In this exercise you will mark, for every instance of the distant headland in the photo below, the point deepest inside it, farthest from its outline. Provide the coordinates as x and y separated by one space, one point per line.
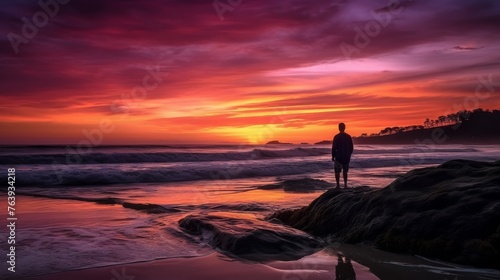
275 142
464 127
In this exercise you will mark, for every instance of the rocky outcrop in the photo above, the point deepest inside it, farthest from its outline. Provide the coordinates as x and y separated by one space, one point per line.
298 185
275 142
251 239
450 212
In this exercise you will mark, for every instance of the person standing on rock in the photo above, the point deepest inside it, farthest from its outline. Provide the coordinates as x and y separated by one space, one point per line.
342 148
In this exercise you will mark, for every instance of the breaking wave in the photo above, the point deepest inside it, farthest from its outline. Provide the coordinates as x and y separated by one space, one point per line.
127 157
87 175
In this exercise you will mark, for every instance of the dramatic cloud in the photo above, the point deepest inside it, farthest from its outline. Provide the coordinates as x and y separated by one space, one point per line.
198 71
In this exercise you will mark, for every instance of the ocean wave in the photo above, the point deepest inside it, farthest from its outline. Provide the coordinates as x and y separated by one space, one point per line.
414 149
76 175
145 207
246 207
110 158
99 200
88 175
150 208
116 157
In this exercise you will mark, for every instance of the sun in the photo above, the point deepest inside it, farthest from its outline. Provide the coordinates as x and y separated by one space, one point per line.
253 134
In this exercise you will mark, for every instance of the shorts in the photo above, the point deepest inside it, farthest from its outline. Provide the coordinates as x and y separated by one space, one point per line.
339 166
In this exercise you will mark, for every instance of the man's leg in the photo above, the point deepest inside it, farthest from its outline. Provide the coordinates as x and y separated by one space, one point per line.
345 177
337 167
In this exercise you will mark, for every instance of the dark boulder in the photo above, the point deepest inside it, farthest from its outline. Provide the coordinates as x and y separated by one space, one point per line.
251 239
450 212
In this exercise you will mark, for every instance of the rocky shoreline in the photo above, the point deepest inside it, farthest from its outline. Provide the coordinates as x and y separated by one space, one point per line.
449 212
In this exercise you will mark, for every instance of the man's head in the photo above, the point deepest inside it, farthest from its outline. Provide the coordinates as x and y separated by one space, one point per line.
342 127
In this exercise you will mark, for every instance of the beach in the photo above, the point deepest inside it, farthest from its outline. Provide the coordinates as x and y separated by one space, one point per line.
128 211
319 266
238 139
214 266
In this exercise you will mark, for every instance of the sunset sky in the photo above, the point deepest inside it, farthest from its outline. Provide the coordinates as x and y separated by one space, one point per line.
241 71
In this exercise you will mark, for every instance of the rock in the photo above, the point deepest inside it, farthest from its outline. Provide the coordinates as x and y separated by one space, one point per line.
150 208
450 212
299 185
274 142
251 239
324 142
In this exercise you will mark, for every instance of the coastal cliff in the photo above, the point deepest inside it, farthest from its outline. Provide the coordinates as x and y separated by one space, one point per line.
449 212
477 127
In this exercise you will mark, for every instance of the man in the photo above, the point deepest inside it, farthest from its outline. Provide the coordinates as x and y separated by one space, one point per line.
342 149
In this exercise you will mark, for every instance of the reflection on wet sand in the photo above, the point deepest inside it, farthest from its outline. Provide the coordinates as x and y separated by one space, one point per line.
344 269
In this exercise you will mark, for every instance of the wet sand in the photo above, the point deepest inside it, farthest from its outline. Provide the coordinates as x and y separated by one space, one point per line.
368 264
40 214
214 266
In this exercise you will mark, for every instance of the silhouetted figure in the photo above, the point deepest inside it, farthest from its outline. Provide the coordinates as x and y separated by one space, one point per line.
344 270
342 149
339 269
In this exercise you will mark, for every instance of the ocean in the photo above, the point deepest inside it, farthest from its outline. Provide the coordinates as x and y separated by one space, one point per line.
122 204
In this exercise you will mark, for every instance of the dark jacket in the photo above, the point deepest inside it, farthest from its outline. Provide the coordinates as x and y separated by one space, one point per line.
342 148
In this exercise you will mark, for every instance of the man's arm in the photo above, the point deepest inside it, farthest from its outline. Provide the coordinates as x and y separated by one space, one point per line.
334 147
352 144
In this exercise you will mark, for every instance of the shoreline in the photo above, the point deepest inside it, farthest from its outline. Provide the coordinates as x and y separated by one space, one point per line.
212 266
81 223
368 263
216 266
